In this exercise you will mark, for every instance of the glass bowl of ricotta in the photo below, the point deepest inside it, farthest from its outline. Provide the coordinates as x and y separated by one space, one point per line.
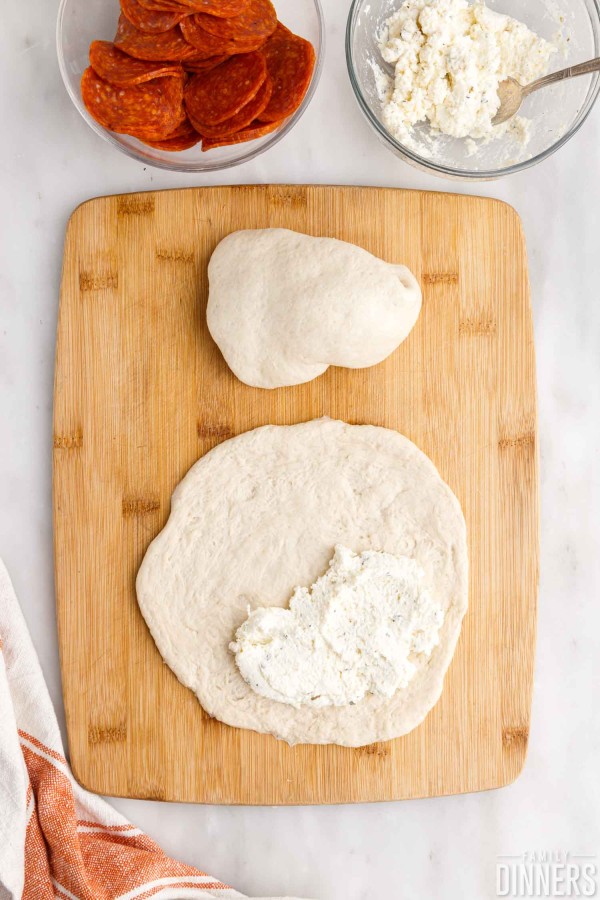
80 22
426 72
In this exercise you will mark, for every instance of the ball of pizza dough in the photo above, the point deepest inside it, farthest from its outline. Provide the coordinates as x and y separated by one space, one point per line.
284 306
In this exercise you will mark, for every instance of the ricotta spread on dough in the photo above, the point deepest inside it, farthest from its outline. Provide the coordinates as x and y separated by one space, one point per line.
261 513
284 306
449 56
354 632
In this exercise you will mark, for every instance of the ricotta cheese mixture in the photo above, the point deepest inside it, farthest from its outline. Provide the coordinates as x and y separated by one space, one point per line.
449 57
354 632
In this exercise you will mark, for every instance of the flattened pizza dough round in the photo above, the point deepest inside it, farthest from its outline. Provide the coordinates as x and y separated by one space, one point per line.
261 514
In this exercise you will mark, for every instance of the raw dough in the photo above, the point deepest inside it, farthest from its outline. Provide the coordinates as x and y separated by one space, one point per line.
285 306
260 514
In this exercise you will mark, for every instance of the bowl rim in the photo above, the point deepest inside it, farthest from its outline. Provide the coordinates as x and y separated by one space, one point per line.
186 165
422 162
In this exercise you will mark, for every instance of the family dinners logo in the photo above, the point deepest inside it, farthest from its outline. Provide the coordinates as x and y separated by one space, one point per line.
547 873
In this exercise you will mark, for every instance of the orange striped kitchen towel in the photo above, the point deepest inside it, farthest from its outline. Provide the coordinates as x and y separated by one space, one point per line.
58 841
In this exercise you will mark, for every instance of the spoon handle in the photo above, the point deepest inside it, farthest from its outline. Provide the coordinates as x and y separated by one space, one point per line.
586 68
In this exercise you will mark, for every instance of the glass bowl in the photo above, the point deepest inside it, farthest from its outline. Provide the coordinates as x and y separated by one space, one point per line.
82 21
556 113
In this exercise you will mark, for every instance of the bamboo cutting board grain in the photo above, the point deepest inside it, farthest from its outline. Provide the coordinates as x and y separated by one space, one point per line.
141 392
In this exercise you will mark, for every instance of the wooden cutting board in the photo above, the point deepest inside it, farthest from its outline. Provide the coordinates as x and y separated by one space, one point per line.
142 392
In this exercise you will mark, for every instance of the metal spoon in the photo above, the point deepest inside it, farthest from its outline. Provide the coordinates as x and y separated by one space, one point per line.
512 94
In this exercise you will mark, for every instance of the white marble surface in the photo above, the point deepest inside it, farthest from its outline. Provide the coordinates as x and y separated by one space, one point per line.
49 162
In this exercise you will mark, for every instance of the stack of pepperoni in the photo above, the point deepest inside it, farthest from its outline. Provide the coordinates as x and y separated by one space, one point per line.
184 71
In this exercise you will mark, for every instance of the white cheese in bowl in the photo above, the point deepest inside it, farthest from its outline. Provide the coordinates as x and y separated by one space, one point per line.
449 57
355 632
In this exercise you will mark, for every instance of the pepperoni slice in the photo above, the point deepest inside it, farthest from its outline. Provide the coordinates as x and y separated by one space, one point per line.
202 64
184 137
258 20
290 63
214 96
172 6
151 110
253 132
221 8
208 45
243 118
118 68
168 46
148 21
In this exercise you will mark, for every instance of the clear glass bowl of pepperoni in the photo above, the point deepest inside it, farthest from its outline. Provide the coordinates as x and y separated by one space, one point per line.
179 85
